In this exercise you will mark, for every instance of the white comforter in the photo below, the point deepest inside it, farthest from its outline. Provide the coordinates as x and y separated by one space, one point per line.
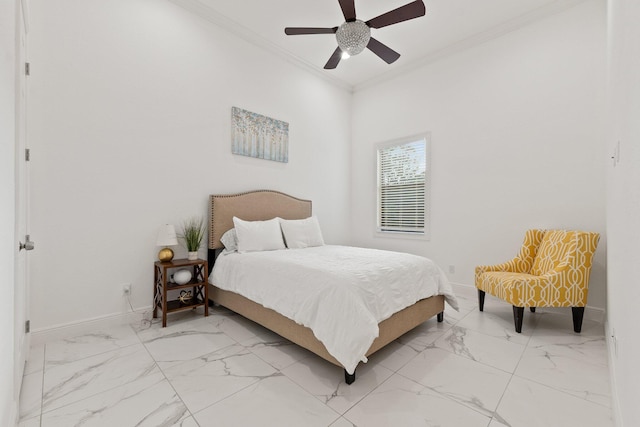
341 293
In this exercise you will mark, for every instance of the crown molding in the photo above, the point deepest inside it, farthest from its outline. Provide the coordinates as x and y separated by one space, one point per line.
209 14
473 41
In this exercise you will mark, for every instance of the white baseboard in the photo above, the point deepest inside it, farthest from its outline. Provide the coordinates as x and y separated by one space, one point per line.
56 332
43 335
596 314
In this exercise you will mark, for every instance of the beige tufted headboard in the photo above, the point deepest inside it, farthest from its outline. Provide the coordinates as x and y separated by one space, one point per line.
257 205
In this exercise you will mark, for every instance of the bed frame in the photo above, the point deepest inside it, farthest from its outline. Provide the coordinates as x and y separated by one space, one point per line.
266 204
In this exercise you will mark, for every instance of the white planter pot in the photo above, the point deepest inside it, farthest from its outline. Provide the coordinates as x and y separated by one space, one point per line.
192 256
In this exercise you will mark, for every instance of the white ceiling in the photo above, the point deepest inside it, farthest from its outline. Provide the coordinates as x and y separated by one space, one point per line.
448 26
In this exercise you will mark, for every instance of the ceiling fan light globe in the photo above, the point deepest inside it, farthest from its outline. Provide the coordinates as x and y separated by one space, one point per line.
353 37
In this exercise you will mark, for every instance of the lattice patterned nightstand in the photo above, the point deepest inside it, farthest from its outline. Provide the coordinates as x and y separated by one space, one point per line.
198 285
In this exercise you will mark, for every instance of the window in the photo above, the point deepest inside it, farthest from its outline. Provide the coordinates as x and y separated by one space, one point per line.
403 186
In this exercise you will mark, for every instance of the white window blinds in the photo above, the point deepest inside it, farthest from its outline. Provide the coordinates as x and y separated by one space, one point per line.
402 187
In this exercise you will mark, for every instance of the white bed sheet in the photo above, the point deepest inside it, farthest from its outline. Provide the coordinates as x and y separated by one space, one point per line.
340 292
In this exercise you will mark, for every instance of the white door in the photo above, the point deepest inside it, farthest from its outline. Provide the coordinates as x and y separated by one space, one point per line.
21 294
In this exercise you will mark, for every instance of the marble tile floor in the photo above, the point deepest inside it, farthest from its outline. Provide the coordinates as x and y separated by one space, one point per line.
471 370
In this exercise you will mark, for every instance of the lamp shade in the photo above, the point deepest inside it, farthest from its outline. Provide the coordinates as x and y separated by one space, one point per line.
167 236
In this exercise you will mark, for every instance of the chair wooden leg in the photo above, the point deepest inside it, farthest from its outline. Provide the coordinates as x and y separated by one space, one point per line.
518 314
481 299
533 309
578 314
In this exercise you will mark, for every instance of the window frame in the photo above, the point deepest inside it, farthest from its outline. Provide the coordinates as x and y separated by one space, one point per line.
426 234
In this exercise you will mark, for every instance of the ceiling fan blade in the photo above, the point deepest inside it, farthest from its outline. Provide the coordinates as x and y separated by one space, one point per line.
348 9
293 31
412 10
387 54
334 60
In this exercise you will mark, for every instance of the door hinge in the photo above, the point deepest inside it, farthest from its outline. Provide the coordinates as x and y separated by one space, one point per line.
27 69
27 154
27 326
28 244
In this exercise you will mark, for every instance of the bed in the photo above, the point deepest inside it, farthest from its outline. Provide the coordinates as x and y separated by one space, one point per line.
264 205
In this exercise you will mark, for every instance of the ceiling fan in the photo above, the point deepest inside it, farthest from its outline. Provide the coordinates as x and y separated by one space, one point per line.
354 35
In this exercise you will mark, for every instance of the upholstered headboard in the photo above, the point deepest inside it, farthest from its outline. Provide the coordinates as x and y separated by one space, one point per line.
257 205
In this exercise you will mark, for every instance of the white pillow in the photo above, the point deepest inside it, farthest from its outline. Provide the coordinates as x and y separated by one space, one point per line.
302 233
230 240
258 235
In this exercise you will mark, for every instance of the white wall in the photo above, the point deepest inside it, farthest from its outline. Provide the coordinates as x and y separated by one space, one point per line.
623 208
130 128
130 113
7 207
516 142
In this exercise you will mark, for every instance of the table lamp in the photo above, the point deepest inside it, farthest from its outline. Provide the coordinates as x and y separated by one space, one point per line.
166 237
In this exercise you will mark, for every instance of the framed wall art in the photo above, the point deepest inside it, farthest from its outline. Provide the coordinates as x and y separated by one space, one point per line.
259 136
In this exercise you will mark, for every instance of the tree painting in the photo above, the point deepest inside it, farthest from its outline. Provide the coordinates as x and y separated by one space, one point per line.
259 136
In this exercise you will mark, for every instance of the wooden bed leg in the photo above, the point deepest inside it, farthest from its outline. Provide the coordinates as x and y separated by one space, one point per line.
349 378
440 317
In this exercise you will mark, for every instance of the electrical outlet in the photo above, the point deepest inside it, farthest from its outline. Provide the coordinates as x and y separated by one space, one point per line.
126 289
452 269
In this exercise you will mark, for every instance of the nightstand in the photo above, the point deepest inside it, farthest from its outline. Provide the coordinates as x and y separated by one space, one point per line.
163 284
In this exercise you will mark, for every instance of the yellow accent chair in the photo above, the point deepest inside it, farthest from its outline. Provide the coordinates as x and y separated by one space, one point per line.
551 270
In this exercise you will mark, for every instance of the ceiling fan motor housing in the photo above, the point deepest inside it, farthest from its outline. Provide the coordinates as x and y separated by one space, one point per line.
353 36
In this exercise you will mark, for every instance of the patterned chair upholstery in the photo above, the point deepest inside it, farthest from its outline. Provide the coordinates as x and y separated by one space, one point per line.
551 270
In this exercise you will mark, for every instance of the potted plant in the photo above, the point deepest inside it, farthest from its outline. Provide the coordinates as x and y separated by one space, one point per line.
192 233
